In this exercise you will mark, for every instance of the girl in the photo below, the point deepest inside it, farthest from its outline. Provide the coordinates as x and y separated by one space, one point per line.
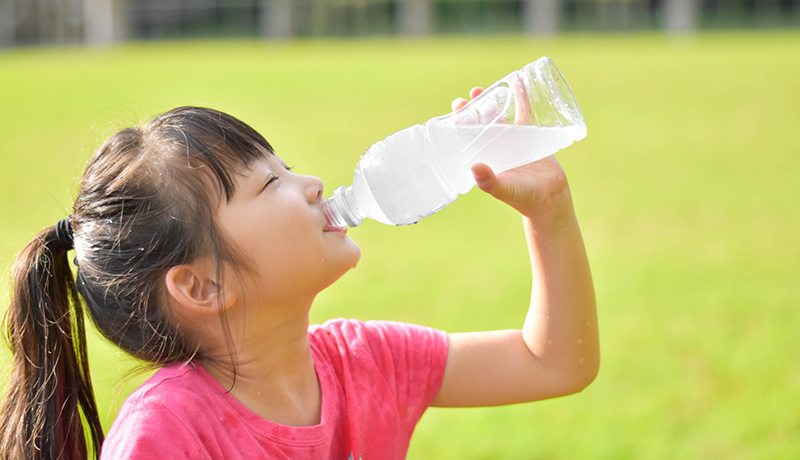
199 251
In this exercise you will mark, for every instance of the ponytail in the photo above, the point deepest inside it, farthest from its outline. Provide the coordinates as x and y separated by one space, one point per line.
50 396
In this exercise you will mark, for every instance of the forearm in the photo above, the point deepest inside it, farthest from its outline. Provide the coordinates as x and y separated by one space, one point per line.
560 329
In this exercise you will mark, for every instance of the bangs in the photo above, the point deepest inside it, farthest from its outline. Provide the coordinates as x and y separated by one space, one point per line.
213 139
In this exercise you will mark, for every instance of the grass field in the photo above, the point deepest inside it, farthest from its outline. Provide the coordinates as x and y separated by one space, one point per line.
686 189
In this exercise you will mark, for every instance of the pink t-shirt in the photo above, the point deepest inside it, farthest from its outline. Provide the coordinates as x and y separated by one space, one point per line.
377 379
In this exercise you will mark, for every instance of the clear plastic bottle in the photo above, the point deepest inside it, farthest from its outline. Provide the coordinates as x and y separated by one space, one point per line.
528 115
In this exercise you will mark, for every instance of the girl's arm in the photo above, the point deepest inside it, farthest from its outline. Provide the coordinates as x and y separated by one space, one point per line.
556 352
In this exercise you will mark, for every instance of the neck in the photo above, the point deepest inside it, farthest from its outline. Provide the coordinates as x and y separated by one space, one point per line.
274 368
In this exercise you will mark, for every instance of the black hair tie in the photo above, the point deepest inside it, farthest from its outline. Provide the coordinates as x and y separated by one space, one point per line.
64 232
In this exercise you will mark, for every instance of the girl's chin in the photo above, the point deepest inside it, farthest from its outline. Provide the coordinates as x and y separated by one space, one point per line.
356 249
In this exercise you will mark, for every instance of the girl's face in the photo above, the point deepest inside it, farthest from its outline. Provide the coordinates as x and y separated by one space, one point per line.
276 219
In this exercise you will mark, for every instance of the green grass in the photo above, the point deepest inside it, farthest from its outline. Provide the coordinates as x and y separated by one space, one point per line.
686 189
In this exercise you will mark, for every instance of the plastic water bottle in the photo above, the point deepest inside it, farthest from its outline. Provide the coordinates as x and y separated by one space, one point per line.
528 115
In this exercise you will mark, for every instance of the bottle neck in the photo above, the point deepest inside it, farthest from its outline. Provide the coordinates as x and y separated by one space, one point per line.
339 209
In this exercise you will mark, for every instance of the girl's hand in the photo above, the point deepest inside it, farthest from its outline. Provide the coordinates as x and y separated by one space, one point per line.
533 189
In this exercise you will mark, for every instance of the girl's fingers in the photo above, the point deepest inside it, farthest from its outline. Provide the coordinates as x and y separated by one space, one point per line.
458 103
461 102
486 178
509 191
521 116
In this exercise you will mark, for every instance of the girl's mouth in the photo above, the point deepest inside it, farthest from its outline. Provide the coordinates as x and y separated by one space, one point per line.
331 228
330 219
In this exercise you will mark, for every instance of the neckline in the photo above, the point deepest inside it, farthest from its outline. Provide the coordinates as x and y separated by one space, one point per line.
276 432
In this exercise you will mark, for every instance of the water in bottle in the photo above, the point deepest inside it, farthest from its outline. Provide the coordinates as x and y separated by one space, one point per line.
528 115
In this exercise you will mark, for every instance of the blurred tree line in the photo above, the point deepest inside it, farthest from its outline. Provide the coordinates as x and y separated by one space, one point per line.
29 22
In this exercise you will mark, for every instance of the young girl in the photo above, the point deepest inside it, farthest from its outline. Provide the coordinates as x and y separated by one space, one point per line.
199 251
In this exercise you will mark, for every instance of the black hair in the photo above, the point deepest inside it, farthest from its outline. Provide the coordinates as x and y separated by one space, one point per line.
145 204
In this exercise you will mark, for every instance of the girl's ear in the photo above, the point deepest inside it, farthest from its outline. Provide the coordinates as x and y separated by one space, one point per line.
194 289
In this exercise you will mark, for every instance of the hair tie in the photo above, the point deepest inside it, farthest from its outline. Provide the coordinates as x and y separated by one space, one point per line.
64 232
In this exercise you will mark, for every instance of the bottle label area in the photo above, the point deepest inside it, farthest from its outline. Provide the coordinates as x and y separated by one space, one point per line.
403 179
420 170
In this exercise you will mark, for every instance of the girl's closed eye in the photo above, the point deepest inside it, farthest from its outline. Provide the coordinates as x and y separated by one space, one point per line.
274 177
270 179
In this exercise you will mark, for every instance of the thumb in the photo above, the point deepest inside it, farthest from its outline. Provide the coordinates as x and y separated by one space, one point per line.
487 180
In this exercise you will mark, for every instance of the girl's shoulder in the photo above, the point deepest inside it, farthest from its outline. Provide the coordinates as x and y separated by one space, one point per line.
172 380
379 348
182 393
353 333
175 389
159 413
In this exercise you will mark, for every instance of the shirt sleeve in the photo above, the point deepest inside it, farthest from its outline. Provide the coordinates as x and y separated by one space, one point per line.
150 431
409 358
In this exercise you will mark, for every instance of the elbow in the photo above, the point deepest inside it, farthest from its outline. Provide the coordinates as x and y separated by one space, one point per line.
578 377
583 374
587 377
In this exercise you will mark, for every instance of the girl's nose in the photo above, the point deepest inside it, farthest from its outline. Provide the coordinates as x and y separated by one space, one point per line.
314 189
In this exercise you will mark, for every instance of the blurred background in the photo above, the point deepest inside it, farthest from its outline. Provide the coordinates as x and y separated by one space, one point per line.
686 186
25 22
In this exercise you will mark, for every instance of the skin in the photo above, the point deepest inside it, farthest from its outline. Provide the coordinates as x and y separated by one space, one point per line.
276 217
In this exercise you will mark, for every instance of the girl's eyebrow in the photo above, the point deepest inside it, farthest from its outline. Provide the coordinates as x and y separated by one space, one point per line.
246 173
